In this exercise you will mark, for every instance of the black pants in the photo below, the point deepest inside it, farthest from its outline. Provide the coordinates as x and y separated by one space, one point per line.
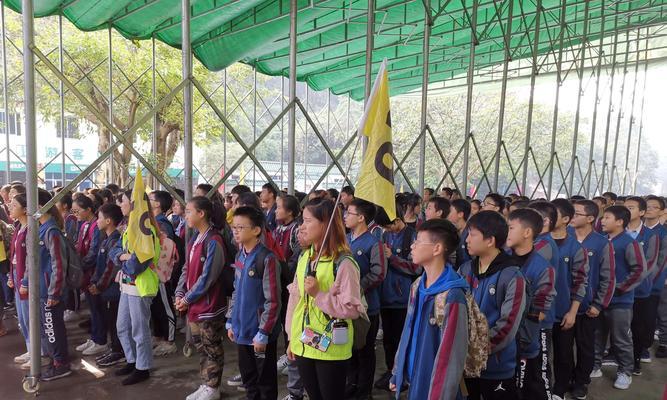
162 313
323 380
259 375
642 336
565 369
652 316
54 333
73 299
362 364
110 311
533 374
393 320
491 389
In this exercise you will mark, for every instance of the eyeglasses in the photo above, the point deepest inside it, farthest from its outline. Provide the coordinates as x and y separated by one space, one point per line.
238 228
418 242
582 215
351 213
490 204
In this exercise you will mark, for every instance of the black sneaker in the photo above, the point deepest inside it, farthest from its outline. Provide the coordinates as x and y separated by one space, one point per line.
110 360
127 369
579 392
351 391
383 382
54 372
637 370
139 375
661 352
103 355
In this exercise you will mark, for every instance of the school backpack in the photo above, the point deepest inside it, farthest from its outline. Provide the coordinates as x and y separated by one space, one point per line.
168 257
362 324
74 275
478 332
229 249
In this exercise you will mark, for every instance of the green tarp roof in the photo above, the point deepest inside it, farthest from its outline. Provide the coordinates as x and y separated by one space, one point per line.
332 33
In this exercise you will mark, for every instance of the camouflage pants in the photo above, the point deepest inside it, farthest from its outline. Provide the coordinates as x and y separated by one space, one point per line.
207 338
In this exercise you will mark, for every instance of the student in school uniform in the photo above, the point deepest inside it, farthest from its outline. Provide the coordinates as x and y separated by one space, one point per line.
599 291
655 206
369 254
571 284
630 269
499 289
459 213
432 353
437 207
524 226
650 243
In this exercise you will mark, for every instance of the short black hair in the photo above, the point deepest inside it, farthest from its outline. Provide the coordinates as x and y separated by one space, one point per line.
381 217
491 224
547 210
291 204
113 188
590 208
613 196
113 212
238 189
66 200
564 206
660 200
528 218
333 193
447 190
600 198
256 217
639 200
248 199
443 231
85 202
517 204
619 212
365 208
348 190
204 187
577 197
271 189
180 193
106 195
430 191
461 205
476 201
164 198
441 204
498 199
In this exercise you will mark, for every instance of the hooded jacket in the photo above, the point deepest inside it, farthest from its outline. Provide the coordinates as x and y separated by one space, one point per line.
601 272
401 272
630 269
650 244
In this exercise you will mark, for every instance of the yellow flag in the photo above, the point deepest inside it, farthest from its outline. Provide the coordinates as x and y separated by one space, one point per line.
3 252
376 178
139 229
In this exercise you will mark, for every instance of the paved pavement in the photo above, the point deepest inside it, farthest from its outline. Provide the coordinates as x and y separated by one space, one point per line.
176 376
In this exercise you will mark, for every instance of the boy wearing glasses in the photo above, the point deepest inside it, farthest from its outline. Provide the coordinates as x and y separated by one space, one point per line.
428 345
369 254
255 308
601 283
655 206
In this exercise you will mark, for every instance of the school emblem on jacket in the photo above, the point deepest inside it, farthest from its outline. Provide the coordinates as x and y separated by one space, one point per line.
359 252
398 250
251 273
590 254
566 259
492 290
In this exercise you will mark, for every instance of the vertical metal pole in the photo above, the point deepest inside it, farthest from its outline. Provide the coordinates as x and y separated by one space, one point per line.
428 22
471 74
187 95
31 186
575 135
4 94
559 83
326 155
282 134
370 43
224 130
254 123
533 75
611 97
291 127
598 72
305 149
641 113
503 93
619 115
632 116
111 138
154 101
61 94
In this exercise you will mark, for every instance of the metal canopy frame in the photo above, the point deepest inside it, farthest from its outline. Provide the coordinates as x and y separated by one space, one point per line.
548 43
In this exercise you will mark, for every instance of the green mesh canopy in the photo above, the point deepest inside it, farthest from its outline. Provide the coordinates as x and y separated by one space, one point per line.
331 38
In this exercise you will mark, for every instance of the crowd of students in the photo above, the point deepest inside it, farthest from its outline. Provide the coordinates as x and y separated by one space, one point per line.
497 299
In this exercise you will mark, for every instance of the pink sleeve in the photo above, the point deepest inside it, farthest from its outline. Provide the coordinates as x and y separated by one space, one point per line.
344 298
294 298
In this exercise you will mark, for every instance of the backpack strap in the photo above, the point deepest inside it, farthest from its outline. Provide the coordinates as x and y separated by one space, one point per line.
262 253
406 243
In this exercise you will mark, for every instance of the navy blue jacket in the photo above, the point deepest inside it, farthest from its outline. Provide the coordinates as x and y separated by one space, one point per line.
601 272
650 243
106 270
401 271
546 247
369 254
630 270
661 264
571 275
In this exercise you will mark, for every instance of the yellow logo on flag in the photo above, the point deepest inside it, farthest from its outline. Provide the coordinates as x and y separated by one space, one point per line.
140 238
376 178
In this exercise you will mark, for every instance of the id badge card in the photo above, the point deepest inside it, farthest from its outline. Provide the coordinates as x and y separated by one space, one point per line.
315 340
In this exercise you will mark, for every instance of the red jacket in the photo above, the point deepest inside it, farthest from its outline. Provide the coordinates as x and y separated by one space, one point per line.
17 255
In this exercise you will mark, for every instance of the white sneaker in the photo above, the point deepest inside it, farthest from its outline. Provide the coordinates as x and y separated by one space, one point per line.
596 373
46 361
195 394
208 393
23 358
623 381
83 346
556 397
235 380
164 349
380 335
282 363
95 349
69 316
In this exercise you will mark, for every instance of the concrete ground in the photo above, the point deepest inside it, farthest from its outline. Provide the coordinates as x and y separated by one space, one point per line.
176 376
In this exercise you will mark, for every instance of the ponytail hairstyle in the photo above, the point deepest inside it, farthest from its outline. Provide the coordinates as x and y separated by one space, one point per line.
335 243
205 205
43 197
85 202
291 204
